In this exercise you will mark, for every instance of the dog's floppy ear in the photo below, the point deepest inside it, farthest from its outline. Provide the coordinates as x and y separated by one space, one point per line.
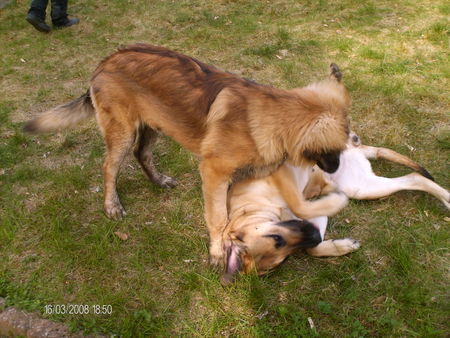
237 259
335 72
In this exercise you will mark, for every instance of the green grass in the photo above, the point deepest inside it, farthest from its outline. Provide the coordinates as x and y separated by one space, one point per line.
57 247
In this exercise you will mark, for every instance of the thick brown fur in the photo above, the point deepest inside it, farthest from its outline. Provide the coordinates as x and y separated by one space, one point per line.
237 127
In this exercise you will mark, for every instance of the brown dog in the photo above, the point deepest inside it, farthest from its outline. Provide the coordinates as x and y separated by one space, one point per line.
263 231
237 127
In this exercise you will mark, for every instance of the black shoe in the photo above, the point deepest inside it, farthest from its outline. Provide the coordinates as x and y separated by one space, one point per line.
38 23
67 23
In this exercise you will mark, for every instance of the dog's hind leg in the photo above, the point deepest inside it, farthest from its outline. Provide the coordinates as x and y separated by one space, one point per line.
143 153
377 187
391 155
119 138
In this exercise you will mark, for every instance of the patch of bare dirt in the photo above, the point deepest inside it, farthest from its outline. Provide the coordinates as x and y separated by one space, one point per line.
14 322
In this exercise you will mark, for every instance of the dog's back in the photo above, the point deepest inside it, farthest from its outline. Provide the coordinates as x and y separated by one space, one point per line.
168 91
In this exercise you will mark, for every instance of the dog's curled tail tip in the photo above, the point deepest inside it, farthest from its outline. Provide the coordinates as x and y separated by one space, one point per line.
336 72
425 173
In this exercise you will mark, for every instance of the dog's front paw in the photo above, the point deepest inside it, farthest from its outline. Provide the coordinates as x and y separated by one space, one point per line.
114 210
446 201
339 201
166 181
346 245
216 255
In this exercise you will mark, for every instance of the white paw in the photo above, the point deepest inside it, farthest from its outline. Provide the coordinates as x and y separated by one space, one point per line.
346 245
446 200
447 205
338 200
166 181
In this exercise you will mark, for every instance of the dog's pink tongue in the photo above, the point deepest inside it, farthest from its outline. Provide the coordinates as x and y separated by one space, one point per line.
233 267
233 261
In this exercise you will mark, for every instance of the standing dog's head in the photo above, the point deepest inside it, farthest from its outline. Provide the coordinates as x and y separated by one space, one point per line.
321 133
263 246
327 161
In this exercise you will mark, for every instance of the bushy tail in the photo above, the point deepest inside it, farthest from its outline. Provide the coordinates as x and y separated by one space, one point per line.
62 116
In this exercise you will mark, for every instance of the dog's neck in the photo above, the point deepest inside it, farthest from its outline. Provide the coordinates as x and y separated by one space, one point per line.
257 170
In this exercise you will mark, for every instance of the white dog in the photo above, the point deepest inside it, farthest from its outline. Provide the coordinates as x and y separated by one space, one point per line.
356 179
263 230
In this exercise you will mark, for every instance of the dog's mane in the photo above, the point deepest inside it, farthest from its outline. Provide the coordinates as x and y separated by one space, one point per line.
327 128
314 120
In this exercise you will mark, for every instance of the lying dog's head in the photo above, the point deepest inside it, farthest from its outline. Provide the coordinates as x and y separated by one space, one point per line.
263 246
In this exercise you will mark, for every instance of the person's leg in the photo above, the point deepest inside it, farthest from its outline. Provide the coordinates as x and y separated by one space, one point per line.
36 15
59 14
38 8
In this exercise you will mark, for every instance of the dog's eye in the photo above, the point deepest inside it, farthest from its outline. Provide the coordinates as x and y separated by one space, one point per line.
279 241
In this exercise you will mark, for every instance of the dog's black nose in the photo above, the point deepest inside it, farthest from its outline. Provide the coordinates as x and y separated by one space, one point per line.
311 235
307 232
329 162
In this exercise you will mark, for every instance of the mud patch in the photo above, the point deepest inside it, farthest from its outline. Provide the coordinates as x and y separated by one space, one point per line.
14 322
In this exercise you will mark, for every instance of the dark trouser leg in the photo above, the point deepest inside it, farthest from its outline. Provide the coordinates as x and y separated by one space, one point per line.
38 8
59 12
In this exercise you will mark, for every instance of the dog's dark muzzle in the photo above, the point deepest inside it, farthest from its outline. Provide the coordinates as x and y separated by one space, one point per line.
328 162
308 234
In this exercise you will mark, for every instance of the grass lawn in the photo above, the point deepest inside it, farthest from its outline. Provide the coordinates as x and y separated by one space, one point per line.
57 247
